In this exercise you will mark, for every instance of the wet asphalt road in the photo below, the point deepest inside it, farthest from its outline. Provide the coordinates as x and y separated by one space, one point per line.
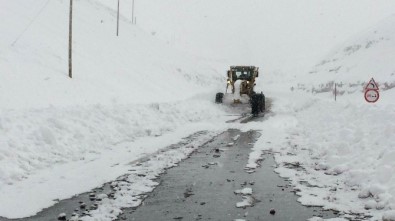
202 187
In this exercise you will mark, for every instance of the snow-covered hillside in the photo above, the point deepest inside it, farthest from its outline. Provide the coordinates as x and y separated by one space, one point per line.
107 69
356 61
287 36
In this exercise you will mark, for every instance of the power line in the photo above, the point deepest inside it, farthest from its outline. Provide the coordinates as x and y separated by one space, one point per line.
31 22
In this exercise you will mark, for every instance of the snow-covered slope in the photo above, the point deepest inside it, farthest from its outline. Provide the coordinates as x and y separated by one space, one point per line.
350 137
288 36
130 68
355 62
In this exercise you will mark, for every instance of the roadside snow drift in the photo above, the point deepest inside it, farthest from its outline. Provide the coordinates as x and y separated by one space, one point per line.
339 154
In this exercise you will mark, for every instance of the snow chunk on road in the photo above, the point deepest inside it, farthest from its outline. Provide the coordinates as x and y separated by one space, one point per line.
245 191
248 201
236 137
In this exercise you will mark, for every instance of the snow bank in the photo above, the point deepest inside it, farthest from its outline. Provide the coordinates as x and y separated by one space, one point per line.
348 143
339 155
37 139
145 155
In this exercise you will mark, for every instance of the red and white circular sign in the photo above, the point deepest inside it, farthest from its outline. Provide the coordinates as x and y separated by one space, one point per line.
372 95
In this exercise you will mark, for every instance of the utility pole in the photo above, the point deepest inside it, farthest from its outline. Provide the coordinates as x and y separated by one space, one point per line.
133 21
118 19
70 39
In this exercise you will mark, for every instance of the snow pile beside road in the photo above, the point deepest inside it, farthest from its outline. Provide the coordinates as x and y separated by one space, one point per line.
146 156
346 150
339 155
36 139
346 147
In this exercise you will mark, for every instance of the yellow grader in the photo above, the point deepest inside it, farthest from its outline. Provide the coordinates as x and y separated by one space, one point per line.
246 75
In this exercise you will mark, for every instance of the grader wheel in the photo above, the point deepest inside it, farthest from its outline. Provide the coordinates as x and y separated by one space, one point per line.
257 104
219 98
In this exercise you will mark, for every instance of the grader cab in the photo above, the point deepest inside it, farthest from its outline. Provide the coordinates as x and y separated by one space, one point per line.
245 76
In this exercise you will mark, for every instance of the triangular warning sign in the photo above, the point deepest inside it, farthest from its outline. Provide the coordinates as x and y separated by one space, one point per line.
372 85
